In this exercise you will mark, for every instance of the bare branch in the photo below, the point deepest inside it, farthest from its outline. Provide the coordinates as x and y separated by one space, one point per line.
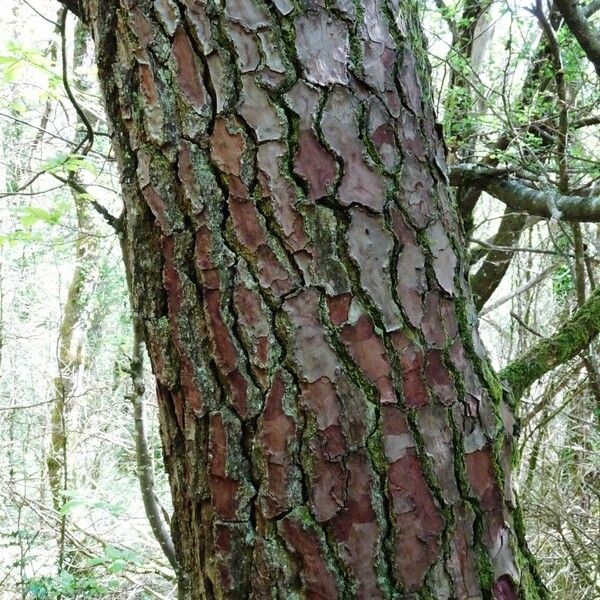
143 454
521 197
88 140
520 290
491 272
78 188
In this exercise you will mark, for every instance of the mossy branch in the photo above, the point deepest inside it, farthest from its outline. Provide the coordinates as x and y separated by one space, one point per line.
572 338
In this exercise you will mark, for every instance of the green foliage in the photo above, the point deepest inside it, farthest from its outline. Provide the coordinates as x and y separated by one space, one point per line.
115 560
562 282
64 585
76 499
30 215
68 163
18 57
32 219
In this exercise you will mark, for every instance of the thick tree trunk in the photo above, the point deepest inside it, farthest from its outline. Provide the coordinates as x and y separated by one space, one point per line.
331 426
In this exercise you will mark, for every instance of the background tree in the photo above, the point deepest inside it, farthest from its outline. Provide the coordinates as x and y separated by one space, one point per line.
62 281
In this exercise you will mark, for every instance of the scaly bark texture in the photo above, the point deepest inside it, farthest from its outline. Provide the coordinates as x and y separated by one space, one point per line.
331 427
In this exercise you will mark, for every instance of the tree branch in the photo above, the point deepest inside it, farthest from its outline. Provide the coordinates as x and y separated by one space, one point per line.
520 290
74 7
572 338
536 80
78 188
591 8
495 265
521 197
143 454
584 33
88 140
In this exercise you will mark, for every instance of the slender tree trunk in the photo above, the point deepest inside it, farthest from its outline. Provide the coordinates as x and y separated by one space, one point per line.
72 327
71 337
70 363
330 423
70 350
470 37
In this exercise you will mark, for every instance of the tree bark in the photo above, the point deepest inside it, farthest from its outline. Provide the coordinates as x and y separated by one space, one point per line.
143 452
485 281
331 426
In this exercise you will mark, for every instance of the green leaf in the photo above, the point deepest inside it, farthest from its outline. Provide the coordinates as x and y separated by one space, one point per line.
69 162
9 71
30 215
70 505
117 566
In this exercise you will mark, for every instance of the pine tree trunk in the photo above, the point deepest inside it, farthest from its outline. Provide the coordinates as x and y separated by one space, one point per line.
330 423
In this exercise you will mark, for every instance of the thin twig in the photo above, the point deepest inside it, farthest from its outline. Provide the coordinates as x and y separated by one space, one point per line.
531 283
89 138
